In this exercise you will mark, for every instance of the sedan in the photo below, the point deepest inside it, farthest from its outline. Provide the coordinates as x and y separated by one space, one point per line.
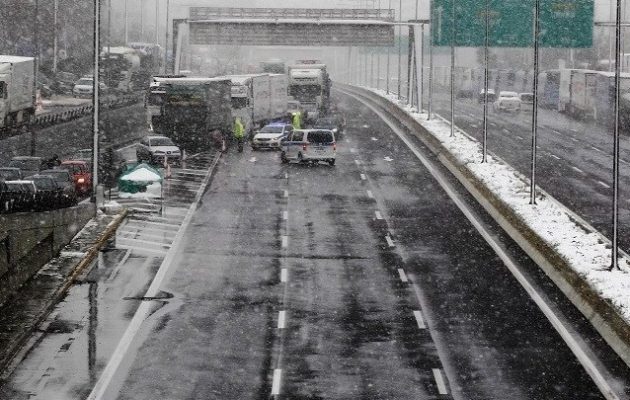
158 149
271 136
65 182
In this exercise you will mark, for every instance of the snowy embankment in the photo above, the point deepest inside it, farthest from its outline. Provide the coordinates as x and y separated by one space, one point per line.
586 251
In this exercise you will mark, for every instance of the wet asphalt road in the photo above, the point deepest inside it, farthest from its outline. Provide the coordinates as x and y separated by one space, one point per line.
287 283
574 157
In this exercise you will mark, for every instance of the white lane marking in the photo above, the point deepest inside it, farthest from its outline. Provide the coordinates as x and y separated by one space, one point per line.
573 130
419 319
366 126
101 389
357 162
556 132
253 159
369 194
577 170
378 214
281 319
597 149
604 184
624 161
581 354
388 158
286 193
493 124
275 386
519 137
286 175
285 241
285 215
574 139
284 275
389 241
374 139
505 130
353 150
555 156
363 177
402 275
439 381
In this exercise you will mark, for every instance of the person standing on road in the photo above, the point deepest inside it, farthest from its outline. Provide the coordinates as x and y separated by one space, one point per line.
296 120
238 131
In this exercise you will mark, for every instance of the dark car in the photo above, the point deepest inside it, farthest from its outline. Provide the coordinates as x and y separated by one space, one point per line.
48 195
10 174
27 164
81 174
20 196
333 123
65 182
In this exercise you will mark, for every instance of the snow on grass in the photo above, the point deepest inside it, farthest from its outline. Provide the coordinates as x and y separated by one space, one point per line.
586 251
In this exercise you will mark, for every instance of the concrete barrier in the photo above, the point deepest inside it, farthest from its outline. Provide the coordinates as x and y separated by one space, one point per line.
603 315
30 240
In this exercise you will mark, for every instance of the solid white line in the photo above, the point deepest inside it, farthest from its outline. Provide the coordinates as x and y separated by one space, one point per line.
101 389
419 319
378 214
439 381
275 386
284 275
577 169
286 193
285 241
285 215
369 194
604 184
281 319
363 177
558 325
390 242
403 276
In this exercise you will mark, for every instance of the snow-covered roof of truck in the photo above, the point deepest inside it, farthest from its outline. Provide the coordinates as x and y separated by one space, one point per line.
15 59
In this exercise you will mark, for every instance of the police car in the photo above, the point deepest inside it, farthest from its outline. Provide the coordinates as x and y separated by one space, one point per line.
270 136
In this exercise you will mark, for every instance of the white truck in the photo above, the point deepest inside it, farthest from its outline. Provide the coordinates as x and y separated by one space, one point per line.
118 67
258 98
577 92
17 91
309 84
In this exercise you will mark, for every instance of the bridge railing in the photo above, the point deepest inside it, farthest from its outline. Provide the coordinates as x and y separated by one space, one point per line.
203 13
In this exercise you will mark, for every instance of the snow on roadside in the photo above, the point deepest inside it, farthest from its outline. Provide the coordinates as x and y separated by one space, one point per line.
587 252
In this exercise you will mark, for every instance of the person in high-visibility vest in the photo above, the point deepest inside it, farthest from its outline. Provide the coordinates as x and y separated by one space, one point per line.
239 133
296 121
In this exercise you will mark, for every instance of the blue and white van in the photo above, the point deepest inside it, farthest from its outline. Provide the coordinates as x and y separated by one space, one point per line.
309 145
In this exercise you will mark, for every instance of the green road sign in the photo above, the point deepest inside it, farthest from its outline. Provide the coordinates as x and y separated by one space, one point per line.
563 23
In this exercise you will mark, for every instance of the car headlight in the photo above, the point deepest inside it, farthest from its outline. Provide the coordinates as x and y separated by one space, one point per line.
158 152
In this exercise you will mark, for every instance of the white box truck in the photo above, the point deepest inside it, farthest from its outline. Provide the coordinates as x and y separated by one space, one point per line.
17 91
279 96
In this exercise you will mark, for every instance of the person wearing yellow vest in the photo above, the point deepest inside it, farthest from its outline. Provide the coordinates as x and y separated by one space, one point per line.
296 120
239 132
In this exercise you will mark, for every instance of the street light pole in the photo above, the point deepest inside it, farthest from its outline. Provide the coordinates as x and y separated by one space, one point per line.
126 25
615 220
389 7
55 37
167 31
399 47
453 69
485 83
95 97
532 189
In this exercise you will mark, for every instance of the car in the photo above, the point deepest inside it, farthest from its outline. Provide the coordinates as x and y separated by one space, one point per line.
27 164
527 100
6 203
65 182
334 123
271 136
84 87
22 195
64 82
310 145
155 149
507 101
48 195
80 171
10 174
491 96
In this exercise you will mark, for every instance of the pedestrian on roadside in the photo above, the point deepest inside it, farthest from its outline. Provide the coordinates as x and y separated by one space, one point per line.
239 132
296 120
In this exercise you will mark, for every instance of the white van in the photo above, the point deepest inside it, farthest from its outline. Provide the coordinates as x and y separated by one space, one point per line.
306 145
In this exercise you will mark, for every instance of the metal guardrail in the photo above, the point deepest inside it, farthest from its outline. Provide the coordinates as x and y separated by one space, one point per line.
202 13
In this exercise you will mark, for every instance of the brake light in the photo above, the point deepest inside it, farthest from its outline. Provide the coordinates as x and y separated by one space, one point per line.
334 146
304 147
81 180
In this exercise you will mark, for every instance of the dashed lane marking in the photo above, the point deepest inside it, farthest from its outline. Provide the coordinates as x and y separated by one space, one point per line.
286 175
597 149
353 150
363 177
402 275
573 139
555 156
357 162
390 242
505 130
275 386
378 215
281 319
284 275
369 194
604 184
285 241
286 193
577 170
520 137
419 319
285 215
439 381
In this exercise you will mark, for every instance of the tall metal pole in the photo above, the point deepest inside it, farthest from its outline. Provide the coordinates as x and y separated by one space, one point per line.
615 221
167 32
486 57
389 7
126 24
410 56
55 35
532 189
157 21
378 55
35 69
453 21
421 94
430 105
141 20
399 47
95 97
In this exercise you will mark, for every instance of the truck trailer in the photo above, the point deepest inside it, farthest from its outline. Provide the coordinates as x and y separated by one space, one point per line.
17 91
193 109
309 84
119 66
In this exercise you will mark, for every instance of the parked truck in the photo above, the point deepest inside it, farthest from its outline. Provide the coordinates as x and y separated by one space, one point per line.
194 110
309 83
577 92
17 90
118 67
258 98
